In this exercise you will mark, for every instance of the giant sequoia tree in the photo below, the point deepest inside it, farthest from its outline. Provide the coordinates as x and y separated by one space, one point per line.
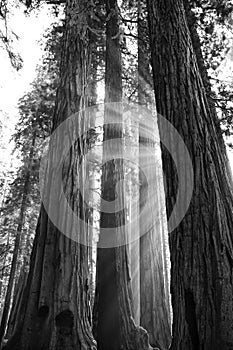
201 246
154 285
53 311
115 327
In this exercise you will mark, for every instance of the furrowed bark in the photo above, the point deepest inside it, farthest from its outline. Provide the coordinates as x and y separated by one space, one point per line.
154 282
201 246
54 308
115 327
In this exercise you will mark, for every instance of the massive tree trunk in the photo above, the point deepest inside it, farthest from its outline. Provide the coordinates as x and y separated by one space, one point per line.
196 42
53 312
154 282
201 246
154 295
192 25
115 327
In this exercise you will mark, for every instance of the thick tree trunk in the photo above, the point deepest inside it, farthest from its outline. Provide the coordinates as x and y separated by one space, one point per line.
115 328
154 282
196 42
192 25
154 255
54 308
201 246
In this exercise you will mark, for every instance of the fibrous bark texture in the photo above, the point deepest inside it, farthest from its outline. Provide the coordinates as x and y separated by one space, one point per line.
114 325
201 246
155 313
54 310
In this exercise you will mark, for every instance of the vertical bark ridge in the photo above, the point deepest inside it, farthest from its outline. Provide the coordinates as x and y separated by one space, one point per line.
115 327
201 246
54 307
154 281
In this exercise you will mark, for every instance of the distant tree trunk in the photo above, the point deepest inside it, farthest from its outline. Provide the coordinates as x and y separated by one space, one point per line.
3 194
54 309
154 283
16 250
20 284
92 79
3 270
114 325
18 293
145 80
201 246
